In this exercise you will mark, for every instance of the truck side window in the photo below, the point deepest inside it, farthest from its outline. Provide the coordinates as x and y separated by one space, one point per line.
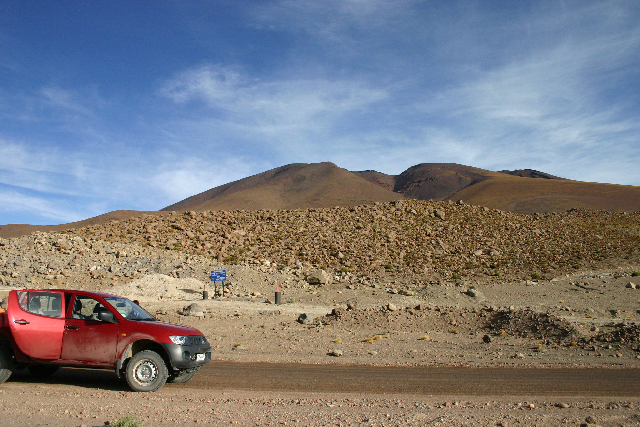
42 303
86 308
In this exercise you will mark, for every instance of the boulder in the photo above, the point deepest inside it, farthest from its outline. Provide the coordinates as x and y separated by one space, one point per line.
305 319
318 277
193 310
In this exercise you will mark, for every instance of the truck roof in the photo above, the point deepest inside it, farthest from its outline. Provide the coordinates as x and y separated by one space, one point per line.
75 291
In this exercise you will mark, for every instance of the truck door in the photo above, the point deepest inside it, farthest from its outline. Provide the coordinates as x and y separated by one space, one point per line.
86 338
36 322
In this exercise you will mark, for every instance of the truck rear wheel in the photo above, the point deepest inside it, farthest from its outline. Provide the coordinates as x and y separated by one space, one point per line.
146 371
6 363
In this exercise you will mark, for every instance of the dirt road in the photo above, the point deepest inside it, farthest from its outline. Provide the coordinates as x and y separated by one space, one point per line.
433 381
261 394
419 380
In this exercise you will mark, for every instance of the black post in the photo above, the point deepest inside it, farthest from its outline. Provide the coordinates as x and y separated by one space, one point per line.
278 296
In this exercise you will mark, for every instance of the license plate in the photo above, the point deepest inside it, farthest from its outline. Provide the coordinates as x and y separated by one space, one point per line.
199 357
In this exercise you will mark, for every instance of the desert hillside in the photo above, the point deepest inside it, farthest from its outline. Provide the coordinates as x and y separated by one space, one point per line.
409 242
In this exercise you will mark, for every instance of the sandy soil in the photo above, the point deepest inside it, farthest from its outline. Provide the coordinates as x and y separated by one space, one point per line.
588 319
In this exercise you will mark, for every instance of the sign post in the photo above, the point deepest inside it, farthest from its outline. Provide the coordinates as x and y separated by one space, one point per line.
218 276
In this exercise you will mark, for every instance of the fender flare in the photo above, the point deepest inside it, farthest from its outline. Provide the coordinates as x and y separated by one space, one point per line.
138 346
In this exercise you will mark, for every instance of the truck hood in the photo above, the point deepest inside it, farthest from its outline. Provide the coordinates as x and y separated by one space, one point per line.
160 330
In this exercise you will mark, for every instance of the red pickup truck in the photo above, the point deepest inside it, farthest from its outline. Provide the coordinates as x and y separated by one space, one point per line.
42 330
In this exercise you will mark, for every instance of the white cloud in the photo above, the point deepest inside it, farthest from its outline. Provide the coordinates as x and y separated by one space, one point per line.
16 204
189 176
56 97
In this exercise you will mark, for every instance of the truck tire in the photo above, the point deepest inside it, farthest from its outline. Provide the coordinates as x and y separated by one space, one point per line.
42 371
6 363
146 371
181 377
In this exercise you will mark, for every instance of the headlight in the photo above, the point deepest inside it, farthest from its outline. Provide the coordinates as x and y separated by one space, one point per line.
180 339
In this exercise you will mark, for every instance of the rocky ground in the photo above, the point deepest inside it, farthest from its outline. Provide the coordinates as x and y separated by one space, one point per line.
402 283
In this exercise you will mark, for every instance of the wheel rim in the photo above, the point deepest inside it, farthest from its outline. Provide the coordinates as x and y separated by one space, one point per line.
145 372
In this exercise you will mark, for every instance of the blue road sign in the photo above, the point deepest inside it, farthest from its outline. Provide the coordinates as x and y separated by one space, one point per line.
218 275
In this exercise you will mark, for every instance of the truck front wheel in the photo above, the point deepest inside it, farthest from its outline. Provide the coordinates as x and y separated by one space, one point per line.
146 371
6 363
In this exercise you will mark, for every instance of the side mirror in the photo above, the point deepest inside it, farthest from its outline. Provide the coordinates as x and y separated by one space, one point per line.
106 316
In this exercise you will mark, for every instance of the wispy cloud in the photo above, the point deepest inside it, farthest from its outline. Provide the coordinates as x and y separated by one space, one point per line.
23 209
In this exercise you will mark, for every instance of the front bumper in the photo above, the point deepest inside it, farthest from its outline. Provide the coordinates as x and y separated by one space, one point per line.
188 356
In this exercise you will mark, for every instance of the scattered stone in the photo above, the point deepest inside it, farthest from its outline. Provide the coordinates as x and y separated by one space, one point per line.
193 310
305 319
591 420
338 312
473 292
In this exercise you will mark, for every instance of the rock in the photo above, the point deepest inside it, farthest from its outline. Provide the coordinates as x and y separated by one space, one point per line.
486 339
632 285
473 292
318 277
439 214
335 353
392 307
305 319
562 405
193 310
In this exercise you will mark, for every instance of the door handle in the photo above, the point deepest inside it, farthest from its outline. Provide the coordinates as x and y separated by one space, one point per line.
21 322
72 327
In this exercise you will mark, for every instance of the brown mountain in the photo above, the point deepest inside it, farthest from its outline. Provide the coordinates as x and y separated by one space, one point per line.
299 185
319 185
522 191
315 185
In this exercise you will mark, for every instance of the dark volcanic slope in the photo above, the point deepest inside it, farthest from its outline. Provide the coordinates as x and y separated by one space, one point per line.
530 173
437 181
294 186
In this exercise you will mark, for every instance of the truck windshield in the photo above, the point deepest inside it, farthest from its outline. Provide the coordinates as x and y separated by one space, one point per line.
128 309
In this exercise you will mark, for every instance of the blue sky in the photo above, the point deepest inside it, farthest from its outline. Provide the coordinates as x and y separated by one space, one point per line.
109 105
